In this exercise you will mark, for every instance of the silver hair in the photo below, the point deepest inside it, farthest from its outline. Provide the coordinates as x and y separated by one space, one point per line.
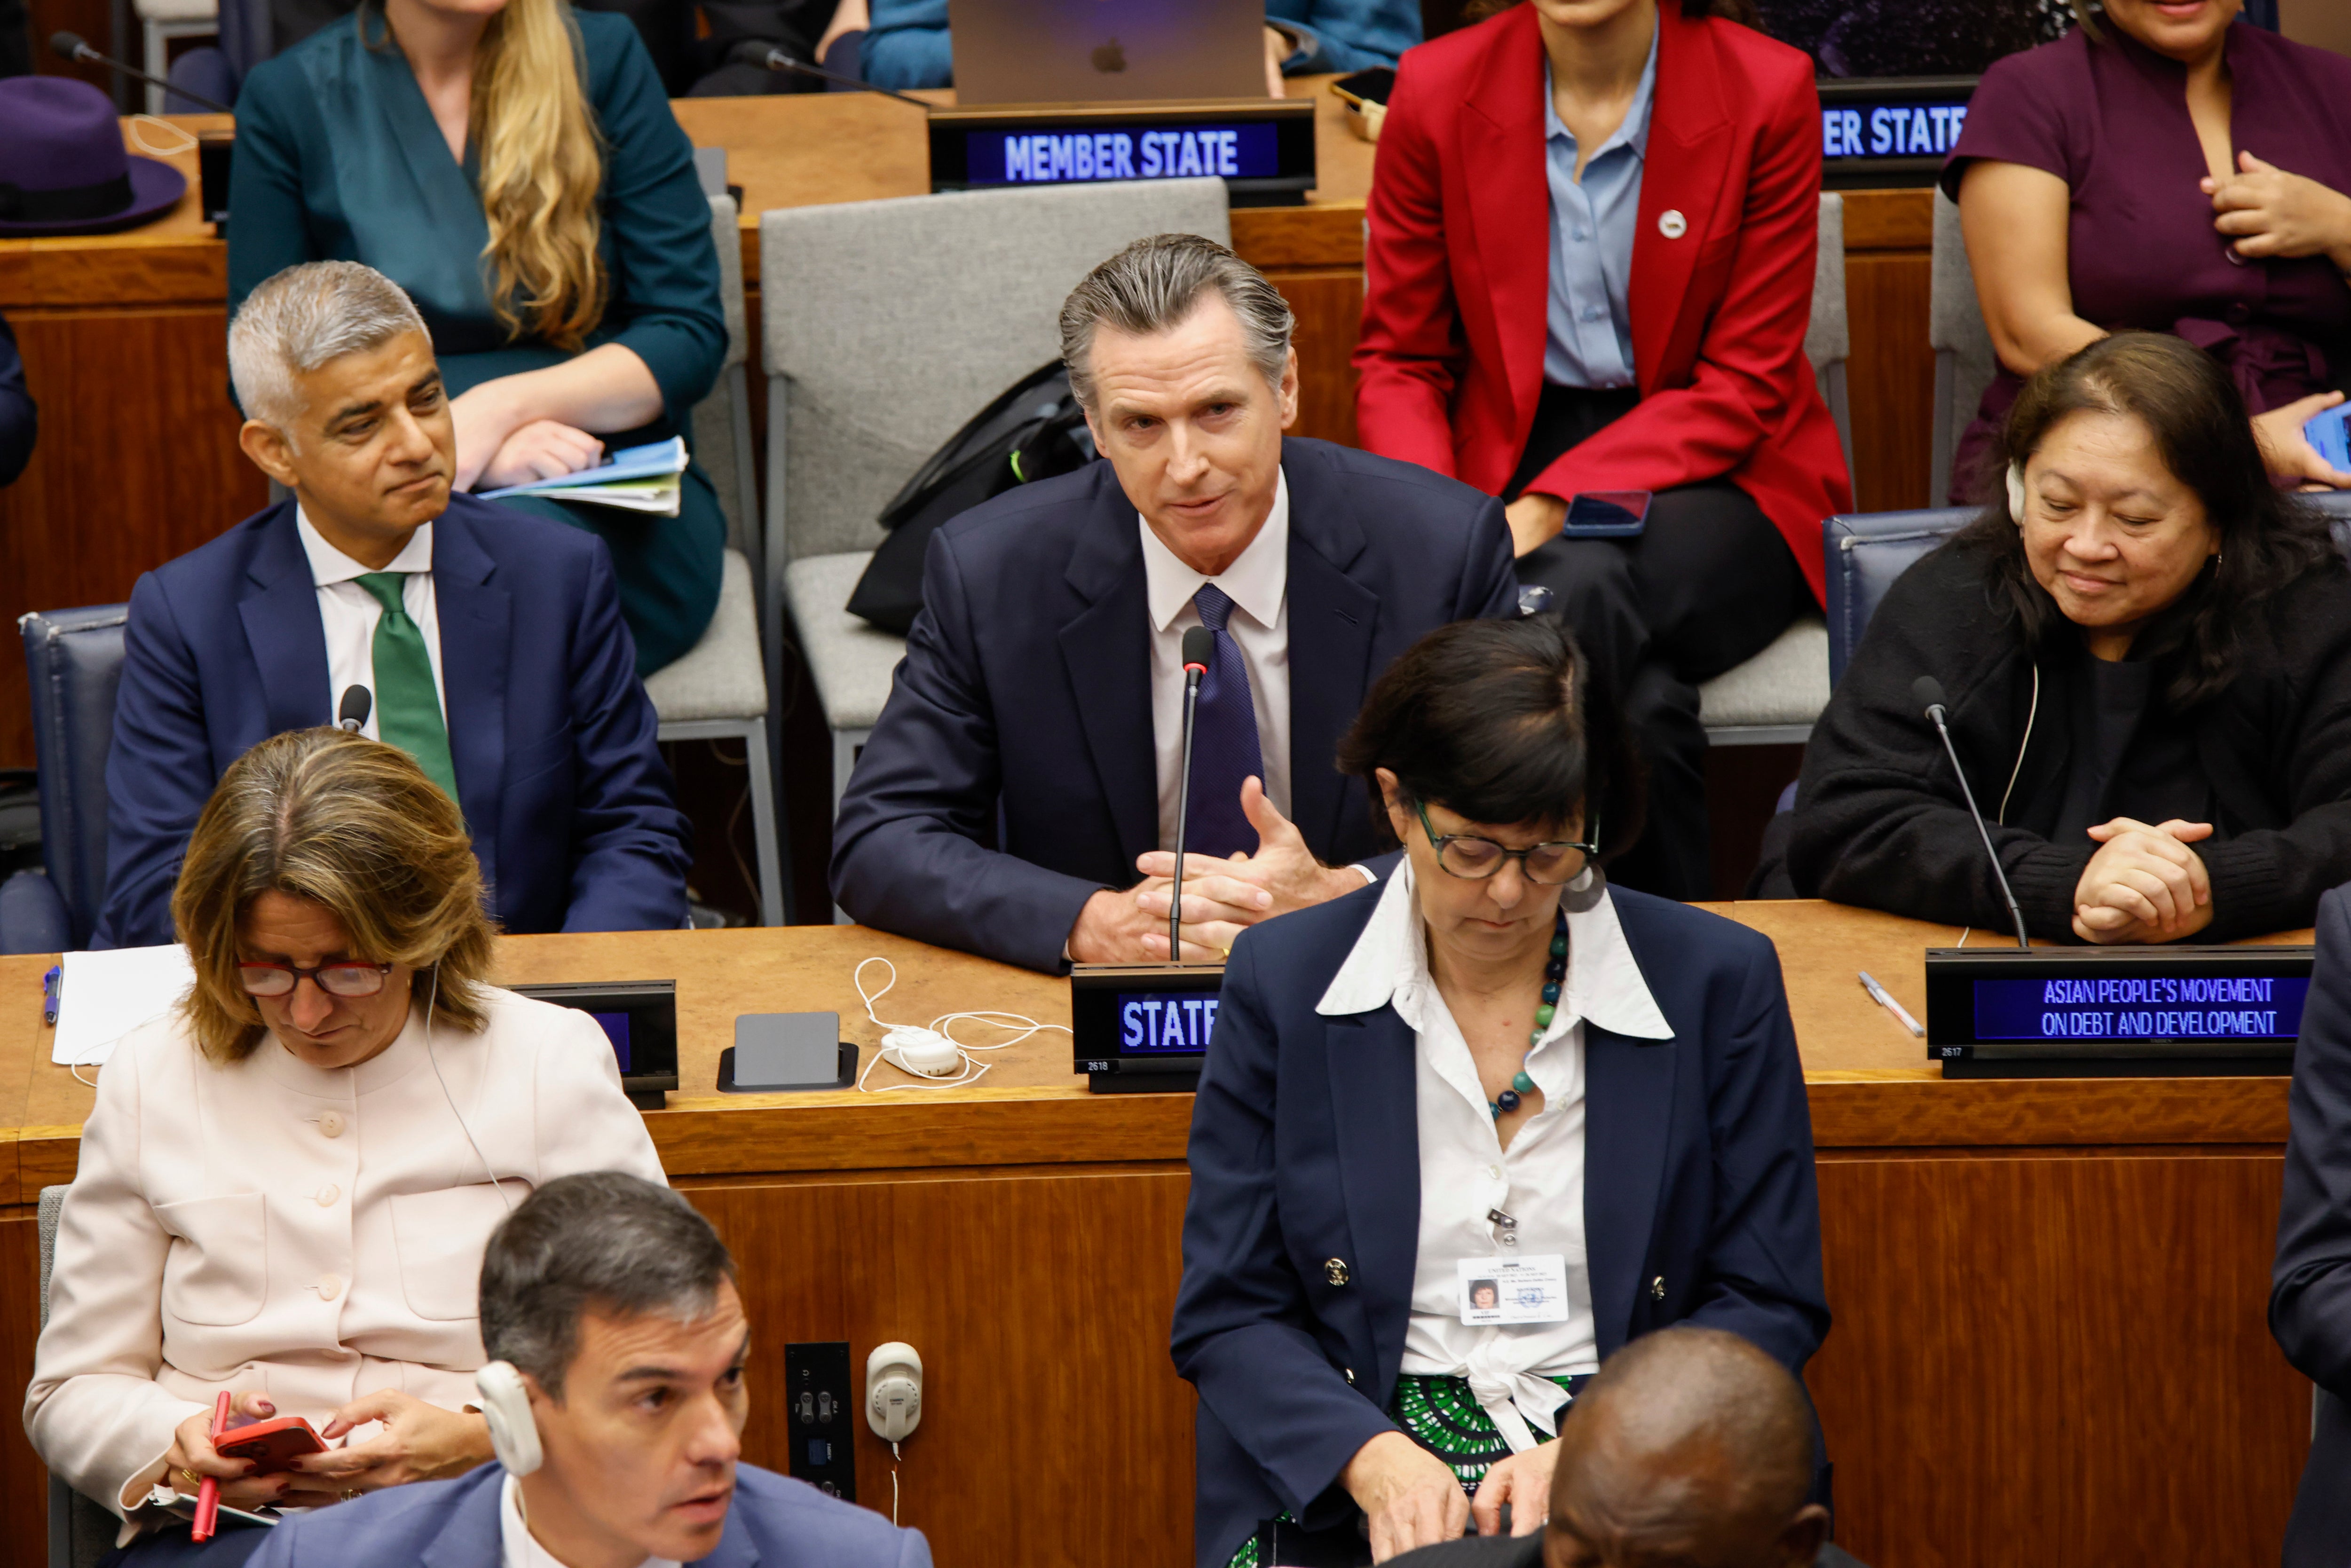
599 1240
305 316
1153 285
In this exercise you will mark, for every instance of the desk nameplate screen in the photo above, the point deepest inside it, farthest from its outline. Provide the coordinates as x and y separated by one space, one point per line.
1263 148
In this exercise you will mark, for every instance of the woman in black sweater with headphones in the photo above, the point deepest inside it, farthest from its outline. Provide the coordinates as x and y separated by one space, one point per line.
2146 656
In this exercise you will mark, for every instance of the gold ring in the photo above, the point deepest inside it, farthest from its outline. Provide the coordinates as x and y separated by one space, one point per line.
347 1494
194 1480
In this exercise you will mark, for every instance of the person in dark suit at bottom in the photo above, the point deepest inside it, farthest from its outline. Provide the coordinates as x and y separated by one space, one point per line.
616 1397
1492 1066
2310 1288
491 642
1027 765
1691 1446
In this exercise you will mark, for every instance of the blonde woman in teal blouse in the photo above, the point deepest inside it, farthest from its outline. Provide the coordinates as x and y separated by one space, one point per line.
514 166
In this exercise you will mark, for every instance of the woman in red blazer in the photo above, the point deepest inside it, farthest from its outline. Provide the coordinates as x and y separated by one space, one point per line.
1604 286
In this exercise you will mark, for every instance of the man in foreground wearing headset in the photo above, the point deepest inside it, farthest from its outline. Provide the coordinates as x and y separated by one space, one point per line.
615 1399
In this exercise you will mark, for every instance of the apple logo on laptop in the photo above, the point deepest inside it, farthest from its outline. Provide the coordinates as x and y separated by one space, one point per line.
1110 58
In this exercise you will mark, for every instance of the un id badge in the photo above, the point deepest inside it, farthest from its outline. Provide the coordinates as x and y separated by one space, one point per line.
1530 1289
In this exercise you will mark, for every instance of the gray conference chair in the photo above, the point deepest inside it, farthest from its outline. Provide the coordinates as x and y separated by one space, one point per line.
1773 697
888 324
80 1532
1964 360
719 690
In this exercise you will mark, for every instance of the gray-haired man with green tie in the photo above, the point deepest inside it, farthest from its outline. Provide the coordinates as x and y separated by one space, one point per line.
490 643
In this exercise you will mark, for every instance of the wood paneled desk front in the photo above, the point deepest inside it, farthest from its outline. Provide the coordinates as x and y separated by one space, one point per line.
2050 1339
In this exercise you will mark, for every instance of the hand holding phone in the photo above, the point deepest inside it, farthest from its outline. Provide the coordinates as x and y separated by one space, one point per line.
270 1445
1607 515
2330 433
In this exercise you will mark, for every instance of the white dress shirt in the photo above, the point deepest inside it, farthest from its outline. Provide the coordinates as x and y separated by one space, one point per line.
349 612
1258 585
519 1549
1464 1171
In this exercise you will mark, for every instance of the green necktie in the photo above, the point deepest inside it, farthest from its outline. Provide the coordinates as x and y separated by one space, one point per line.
407 705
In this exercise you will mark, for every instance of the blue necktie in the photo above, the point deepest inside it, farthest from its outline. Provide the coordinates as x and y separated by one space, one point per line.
1225 747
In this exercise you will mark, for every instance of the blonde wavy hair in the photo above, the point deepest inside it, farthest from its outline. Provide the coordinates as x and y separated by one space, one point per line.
542 162
355 827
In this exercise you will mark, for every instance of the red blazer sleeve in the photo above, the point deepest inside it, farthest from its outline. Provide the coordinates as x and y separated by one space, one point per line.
1412 336
1750 363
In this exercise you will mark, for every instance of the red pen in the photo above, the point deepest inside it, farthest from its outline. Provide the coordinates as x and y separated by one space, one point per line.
208 1494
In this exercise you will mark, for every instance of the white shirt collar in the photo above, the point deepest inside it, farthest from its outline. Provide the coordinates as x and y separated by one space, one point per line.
1255 581
519 1549
1604 985
329 565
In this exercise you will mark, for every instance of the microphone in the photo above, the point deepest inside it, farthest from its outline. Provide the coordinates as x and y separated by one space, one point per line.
770 57
1200 648
352 712
72 47
1928 693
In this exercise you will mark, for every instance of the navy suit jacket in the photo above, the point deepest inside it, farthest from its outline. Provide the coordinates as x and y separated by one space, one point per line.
1699 1202
1022 714
2310 1289
550 730
775 1523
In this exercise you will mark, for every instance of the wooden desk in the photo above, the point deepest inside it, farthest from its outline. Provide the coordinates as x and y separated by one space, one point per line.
124 339
2050 1295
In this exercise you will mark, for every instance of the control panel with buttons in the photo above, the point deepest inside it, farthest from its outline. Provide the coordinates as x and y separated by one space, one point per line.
821 1407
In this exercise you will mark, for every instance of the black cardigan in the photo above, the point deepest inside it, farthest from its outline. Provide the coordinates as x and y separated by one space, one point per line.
1879 820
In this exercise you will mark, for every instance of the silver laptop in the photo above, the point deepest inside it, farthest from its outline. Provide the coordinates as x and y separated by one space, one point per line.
1087 51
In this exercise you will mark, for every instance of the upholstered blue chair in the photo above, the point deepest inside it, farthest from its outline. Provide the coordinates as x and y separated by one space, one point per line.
74 659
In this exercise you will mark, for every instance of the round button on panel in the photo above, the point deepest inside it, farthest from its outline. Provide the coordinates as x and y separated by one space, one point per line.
330 1123
330 1287
328 1193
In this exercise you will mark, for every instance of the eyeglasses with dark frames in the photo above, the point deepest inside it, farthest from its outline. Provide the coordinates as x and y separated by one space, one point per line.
347 978
1474 859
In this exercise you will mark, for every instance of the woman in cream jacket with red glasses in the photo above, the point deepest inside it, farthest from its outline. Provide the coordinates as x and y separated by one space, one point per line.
278 1194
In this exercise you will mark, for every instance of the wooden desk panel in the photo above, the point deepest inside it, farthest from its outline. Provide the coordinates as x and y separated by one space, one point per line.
2049 1295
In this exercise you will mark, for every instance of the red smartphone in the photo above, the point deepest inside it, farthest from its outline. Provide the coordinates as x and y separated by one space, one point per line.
270 1444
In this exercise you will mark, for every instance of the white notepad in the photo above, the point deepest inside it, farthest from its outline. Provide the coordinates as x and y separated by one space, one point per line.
101 997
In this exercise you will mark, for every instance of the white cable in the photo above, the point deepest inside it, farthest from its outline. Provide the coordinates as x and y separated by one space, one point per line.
893 1483
2030 713
139 124
941 1028
436 1060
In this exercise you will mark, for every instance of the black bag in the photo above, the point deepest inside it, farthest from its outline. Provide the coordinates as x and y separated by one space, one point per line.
1032 430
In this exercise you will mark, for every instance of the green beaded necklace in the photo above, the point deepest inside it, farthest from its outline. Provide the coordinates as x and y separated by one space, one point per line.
1554 973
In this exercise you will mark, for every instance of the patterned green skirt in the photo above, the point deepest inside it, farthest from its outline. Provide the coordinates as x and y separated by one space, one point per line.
1442 1415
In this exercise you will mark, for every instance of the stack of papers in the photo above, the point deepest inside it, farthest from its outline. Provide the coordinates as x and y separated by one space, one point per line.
636 479
101 997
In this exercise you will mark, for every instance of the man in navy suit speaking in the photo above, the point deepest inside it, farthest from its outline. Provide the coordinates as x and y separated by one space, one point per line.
1020 793
489 643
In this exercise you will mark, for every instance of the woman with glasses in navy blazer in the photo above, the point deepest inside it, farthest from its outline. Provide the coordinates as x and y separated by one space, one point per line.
1589 265
1462 1134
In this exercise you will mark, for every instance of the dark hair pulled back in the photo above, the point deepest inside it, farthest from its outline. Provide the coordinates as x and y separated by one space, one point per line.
2187 403
1496 720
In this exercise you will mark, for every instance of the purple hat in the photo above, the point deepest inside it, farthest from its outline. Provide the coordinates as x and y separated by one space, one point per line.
68 173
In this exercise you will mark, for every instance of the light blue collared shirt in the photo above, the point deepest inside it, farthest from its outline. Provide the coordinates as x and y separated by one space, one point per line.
1588 341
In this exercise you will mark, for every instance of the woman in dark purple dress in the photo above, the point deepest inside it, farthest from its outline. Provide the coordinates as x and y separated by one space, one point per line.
2177 173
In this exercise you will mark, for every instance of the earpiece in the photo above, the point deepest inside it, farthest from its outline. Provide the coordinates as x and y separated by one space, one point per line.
922 1051
2016 493
506 1405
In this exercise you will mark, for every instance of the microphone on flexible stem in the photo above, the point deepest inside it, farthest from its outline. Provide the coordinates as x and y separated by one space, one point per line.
767 57
1200 648
352 712
72 47
1928 693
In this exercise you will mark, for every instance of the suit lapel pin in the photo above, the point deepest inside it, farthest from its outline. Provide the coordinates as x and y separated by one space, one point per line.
1671 224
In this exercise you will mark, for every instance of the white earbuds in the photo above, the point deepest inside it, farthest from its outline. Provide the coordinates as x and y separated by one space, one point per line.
2016 493
931 1050
506 1405
922 1051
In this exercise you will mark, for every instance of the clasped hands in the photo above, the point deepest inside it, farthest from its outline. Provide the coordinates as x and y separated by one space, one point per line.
2144 884
1411 1497
2266 212
419 1442
1222 898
